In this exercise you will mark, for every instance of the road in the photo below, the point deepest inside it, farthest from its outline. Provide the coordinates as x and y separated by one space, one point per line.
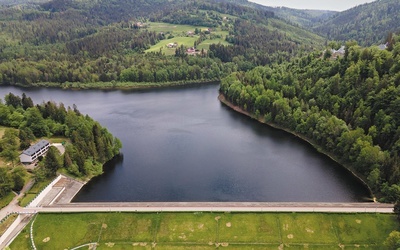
216 207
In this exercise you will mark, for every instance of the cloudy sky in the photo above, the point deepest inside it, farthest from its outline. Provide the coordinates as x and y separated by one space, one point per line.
338 5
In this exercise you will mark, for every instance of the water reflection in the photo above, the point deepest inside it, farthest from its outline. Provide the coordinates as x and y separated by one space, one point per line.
181 144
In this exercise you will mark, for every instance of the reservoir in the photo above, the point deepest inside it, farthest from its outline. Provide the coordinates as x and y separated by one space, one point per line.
182 144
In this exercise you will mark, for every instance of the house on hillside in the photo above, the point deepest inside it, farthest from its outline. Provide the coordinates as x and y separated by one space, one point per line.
339 52
172 45
191 51
33 152
383 46
139 25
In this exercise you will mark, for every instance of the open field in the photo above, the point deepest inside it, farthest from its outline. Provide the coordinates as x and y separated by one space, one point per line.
209 231
206 43
185 41
180 37
175 29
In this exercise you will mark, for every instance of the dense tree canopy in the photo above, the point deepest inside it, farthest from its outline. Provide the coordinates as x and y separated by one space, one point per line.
349 106
367 24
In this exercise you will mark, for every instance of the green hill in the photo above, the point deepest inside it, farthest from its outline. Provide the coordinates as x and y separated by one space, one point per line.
302 18
367 24
72 43
347 107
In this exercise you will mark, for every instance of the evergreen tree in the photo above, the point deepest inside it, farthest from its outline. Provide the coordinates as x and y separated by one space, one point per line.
52 161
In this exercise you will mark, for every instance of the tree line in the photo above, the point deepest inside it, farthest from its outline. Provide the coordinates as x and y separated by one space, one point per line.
348 106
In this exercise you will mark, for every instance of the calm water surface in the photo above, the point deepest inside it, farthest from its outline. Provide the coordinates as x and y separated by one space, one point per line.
182 144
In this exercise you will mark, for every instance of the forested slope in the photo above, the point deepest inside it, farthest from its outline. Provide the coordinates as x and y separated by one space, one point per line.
65 43
367 24
303 18
349 107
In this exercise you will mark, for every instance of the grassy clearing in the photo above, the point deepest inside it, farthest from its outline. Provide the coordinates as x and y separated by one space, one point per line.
26 199
58 139
31 194
180 37
4 201
175 29
206 43
185 41
210 230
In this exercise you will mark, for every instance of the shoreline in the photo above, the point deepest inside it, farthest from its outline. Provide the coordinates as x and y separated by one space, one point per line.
223 100
114 85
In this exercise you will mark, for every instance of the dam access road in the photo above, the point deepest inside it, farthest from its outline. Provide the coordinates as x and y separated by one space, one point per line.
57 196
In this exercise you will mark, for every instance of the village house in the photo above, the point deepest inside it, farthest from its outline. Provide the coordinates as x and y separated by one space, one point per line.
139 25
339 52
191 51
383 46
33 152
172 45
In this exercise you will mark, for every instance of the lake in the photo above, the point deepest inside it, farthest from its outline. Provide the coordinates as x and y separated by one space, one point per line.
182 144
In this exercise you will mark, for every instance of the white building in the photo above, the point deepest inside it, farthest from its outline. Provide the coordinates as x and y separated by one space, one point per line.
33 152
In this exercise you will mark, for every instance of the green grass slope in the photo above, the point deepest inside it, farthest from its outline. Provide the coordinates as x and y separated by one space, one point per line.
208 231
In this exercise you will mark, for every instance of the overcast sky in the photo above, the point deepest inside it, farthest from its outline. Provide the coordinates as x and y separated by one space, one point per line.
338 5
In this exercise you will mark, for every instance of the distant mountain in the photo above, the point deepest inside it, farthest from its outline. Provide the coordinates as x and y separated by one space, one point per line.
19 2
304 18
367 24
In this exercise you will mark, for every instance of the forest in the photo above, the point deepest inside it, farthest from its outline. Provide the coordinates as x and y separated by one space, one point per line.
367 24
64 42
348 106
88 145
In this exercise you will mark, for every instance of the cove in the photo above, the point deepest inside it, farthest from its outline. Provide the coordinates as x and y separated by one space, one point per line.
182 144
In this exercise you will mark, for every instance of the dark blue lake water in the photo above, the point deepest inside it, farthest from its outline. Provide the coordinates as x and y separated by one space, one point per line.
182 144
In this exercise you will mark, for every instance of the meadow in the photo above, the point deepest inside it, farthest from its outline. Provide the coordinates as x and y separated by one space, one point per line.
181 37
208 231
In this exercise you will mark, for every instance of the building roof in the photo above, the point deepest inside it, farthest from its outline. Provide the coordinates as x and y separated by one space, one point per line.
382 46
36 147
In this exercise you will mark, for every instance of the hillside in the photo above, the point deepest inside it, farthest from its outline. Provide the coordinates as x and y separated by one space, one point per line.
347 107
302 18
102 43
367 24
